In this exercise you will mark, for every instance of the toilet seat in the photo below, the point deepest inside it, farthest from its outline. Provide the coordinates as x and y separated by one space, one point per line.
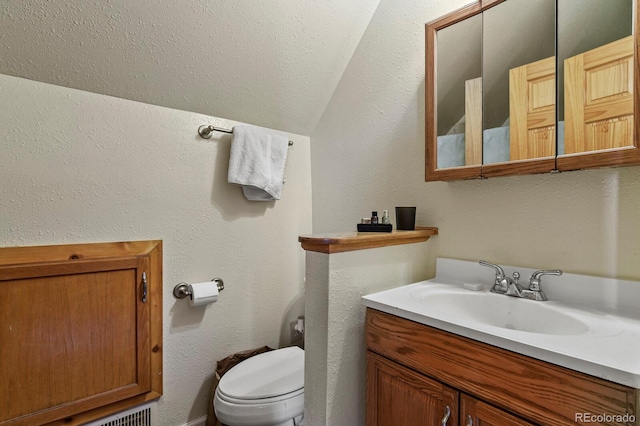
267 375
273 399
267 389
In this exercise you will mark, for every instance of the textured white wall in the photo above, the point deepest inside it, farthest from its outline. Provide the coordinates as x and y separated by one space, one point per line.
335 343
82 167
368 153
316 337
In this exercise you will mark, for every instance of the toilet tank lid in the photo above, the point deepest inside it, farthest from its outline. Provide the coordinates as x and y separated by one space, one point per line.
266 375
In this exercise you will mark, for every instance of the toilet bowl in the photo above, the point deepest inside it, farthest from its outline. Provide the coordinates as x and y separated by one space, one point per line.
264 390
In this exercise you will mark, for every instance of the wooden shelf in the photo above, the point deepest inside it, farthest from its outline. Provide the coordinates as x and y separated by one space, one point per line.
350 241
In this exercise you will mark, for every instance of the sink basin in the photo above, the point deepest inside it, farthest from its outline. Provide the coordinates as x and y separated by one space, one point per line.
584 318
505 312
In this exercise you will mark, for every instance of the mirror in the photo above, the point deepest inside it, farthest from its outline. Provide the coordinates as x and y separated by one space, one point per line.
459 94
556 84
518 77
595 75
453 120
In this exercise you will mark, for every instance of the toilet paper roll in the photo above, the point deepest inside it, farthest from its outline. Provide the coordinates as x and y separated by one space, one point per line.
203 293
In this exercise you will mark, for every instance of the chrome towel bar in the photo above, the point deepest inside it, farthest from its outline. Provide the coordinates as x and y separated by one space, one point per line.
206 131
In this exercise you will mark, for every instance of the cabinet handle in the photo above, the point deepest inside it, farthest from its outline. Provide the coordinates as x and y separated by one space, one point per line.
144 287
447 414
469 420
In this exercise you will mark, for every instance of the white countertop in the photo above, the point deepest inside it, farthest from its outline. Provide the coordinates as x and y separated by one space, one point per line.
609 309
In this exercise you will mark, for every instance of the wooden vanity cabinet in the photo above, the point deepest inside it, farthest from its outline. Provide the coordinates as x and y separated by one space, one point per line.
398 396
80 331
411 364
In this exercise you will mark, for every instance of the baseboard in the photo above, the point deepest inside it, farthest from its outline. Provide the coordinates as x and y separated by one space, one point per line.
202 421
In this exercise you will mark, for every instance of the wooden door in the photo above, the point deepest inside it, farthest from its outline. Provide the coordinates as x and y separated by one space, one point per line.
474 412
75 335
532 110
598 98
398 396
473 122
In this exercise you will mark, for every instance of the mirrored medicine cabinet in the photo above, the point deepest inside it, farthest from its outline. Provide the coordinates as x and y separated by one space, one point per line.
531 86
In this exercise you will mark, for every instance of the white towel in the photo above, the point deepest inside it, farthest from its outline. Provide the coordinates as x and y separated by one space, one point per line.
257 163
495 145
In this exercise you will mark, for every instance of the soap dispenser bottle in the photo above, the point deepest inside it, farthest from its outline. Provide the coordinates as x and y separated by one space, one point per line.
385 217
374 218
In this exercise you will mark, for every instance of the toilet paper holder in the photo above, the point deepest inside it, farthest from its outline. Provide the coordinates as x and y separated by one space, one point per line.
183 290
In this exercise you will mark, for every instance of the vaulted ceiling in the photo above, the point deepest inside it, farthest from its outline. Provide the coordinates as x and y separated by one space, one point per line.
273 63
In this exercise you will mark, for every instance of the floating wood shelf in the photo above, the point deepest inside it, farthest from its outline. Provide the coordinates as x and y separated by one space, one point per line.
350 241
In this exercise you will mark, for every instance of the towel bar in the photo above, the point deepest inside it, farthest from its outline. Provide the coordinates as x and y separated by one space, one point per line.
206 131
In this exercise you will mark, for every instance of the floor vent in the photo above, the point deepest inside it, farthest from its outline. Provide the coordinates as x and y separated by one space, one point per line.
137 416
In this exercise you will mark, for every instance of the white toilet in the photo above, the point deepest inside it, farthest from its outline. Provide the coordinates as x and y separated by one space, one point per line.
264 390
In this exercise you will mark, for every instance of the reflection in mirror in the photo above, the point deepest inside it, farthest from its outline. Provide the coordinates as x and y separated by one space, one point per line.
595 69
459 94
518 75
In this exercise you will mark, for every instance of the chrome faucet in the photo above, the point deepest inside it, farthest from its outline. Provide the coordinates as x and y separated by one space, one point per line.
534 283
502 282
509 286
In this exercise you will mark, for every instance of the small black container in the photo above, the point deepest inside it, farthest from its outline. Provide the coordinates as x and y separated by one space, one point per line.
406 218
370 227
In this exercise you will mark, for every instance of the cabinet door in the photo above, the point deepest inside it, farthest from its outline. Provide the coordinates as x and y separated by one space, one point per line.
74 336
474 412
397 396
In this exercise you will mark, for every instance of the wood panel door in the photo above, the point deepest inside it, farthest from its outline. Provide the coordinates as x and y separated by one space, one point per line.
473 123
532 110
598 97
75 335
397 396
474 412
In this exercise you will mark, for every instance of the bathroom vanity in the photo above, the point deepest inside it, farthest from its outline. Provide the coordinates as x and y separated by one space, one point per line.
439 353
414 372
